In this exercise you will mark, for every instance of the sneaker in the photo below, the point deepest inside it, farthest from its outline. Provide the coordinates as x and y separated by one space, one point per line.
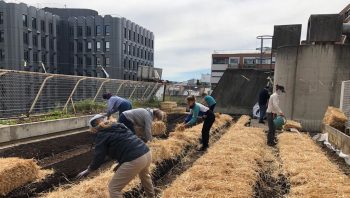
203 148
272 144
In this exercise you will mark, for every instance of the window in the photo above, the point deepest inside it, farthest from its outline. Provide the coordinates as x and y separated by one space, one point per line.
34 23
42 24
125 63
52 44
138 52
249 61
52 58
125 33
26 56
107 61
138 37
80 60
129 34
35 57
98 30
107 30
2 36
134 36
89 46
129 64
98 61
151 43
107 46
50 28
2 56
71 31
25 37
35 40
124 48
98 46
80 46
25 20
220 60
1 18
234 61
43 42
129 51
88 31
79 31
134 51
88 61
141 39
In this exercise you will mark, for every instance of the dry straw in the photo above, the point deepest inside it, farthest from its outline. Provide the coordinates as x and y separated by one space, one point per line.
15 172
335 118
290 124
161 150
310 172
158 128
228 169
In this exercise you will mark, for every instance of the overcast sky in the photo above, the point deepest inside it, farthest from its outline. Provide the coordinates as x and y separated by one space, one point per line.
188 31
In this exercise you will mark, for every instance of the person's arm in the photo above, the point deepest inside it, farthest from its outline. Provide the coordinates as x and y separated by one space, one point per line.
110 108
100 153
148 128
194 118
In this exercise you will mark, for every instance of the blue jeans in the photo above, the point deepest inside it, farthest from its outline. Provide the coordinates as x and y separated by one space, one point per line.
123 120
124 106
262 110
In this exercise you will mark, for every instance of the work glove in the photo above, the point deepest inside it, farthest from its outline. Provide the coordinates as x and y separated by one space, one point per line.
83 174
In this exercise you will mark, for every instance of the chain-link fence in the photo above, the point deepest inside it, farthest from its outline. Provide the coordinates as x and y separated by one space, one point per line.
30 92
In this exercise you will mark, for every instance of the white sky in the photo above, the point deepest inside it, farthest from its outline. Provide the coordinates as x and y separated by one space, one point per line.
188 31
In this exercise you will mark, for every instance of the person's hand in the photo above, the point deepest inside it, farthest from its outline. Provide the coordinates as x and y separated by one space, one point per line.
282 114
83 174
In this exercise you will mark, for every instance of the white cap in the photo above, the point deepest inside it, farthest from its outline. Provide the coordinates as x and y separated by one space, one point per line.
97 116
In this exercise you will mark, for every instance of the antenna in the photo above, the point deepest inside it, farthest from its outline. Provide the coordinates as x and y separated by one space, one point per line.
43 66
104 71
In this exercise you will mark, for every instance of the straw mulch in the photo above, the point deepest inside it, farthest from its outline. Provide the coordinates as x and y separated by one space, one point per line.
162 150
158 128
228 169
291 124
335 117
310 172
15 172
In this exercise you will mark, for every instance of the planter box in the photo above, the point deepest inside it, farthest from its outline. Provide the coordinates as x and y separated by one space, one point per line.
338 139
29 130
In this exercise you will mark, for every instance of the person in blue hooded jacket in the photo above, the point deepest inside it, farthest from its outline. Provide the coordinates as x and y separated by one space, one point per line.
199 110
116 104
119 143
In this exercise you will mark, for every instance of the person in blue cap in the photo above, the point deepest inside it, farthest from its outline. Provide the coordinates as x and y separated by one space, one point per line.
116 104
209 101
119 143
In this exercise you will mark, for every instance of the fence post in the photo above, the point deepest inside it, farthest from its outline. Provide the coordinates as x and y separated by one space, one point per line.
153 89
120 86
38 94
99 89
133 91
3 73
144 93
71 94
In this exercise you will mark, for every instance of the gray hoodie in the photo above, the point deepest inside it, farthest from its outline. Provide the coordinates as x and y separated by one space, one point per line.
142 118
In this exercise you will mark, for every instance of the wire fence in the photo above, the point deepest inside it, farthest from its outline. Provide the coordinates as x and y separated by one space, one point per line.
29 93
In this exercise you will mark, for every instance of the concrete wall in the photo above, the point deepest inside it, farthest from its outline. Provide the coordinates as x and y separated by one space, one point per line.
319 71
237 95
23 131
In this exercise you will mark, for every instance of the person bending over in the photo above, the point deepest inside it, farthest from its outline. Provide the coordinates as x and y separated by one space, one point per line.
210 101
116 104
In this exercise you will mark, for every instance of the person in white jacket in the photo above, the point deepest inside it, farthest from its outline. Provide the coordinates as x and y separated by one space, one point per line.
272 111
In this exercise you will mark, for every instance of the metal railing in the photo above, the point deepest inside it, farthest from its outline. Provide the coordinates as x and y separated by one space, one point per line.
23 92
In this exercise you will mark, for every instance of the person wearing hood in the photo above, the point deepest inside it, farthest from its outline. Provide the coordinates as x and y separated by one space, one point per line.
116 104
197 110
209 101
273 110
141 118
119 143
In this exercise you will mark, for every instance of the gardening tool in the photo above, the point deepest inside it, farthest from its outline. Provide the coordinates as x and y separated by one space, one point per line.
279 121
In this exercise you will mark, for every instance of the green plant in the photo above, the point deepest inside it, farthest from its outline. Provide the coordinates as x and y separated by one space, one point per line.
88 106
152 103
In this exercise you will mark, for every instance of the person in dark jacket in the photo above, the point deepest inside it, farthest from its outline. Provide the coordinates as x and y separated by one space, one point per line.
117 142
116 104
263 101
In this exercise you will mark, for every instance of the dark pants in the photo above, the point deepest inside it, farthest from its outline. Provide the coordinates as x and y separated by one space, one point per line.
208 123
212 107
271 134
262 110
122 119
124 106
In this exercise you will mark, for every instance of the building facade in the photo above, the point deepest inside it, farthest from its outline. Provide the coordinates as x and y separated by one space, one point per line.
28 38
239 60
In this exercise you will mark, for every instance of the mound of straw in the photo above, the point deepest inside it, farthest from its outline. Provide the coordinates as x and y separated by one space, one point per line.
162 149
158 128
168 105
290 124
310 172
228 169
15 172
180 127
335 117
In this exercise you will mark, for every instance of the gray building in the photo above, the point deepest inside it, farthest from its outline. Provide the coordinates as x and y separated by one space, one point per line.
90 42
28 38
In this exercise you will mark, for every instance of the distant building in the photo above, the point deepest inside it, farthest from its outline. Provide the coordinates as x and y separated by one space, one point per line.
28 38
239 60
205 78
